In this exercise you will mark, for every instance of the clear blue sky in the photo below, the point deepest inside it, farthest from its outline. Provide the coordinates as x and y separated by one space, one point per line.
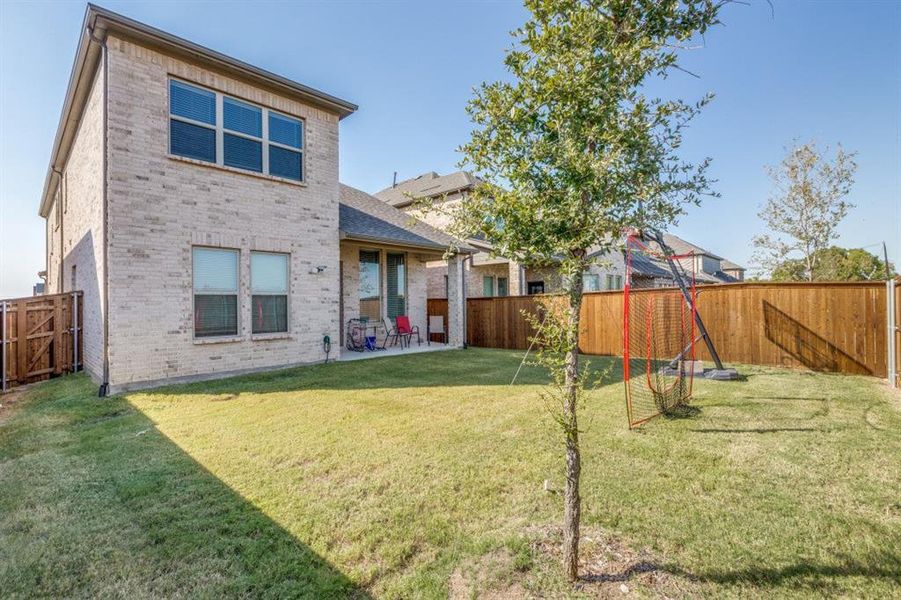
824 70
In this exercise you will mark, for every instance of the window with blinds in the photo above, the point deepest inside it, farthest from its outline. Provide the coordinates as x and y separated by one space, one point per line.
242 137
503 288
269 292
396 294
370 286
192 122
215 128
215 292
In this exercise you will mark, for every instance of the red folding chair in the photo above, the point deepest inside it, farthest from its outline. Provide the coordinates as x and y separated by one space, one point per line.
405 331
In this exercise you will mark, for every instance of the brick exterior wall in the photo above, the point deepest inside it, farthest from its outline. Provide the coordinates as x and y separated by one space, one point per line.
75 228
416 283
159 207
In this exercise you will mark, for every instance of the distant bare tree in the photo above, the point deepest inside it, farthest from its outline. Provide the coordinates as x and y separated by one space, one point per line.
806 206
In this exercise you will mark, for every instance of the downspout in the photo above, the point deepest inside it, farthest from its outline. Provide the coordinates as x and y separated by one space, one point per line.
62 228
104 57
463 293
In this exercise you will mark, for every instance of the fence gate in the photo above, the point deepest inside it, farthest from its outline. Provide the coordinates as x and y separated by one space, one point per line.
40 337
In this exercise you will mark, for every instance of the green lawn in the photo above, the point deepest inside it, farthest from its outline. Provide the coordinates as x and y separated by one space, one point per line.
420 476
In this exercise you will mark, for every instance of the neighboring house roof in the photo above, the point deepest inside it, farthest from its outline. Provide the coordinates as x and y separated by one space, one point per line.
366 218
97 23
728 265
427 185
680 246
648 267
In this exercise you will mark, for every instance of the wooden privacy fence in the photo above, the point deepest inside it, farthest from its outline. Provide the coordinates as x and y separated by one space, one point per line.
836 327
39 337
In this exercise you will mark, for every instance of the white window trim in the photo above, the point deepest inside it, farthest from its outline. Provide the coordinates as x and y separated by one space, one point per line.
287 294
220 130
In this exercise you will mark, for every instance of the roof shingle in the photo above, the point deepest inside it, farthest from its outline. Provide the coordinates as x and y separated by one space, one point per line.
364 217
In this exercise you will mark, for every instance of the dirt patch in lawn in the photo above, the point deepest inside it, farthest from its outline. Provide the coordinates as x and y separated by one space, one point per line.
608 569
491 577
8 402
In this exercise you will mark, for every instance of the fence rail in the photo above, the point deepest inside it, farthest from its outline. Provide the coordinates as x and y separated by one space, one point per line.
40 337
835 327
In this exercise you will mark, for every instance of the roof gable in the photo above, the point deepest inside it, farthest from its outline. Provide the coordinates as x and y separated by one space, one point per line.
366 218
427 185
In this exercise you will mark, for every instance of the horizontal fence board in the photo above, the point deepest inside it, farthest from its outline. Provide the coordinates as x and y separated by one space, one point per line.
834 327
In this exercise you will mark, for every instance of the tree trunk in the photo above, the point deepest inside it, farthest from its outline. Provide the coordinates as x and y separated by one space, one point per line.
572 501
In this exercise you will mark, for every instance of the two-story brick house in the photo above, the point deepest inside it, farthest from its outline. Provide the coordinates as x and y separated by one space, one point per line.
195 200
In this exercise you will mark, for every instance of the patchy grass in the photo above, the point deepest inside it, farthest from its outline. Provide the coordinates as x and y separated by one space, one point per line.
422 476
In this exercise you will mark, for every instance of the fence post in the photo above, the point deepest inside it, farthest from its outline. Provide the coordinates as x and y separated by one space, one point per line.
74 332
890 331
3 365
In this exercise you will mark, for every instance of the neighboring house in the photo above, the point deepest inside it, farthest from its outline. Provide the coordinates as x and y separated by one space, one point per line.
485 275
194 199
703 265
706 266
733 270
498 276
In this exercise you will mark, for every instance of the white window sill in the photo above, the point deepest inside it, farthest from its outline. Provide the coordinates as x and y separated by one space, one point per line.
265 337
225 339
203 163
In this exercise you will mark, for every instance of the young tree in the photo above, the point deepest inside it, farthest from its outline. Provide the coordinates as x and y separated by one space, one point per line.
573 151
806 206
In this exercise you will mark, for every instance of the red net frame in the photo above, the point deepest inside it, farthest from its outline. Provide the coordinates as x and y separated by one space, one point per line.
658 331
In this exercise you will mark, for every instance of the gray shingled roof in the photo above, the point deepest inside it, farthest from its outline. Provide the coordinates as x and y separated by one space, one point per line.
680 246
427 185
366 218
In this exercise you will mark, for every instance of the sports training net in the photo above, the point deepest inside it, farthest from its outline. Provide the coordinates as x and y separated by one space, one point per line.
658 331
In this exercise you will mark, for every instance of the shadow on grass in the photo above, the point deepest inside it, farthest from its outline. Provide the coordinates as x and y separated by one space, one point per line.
808 575
760 430
129 510
682 411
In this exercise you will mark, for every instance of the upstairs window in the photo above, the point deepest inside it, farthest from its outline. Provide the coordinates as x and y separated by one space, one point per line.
192 122
503 287
242 138
215 128
285 147
487 286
